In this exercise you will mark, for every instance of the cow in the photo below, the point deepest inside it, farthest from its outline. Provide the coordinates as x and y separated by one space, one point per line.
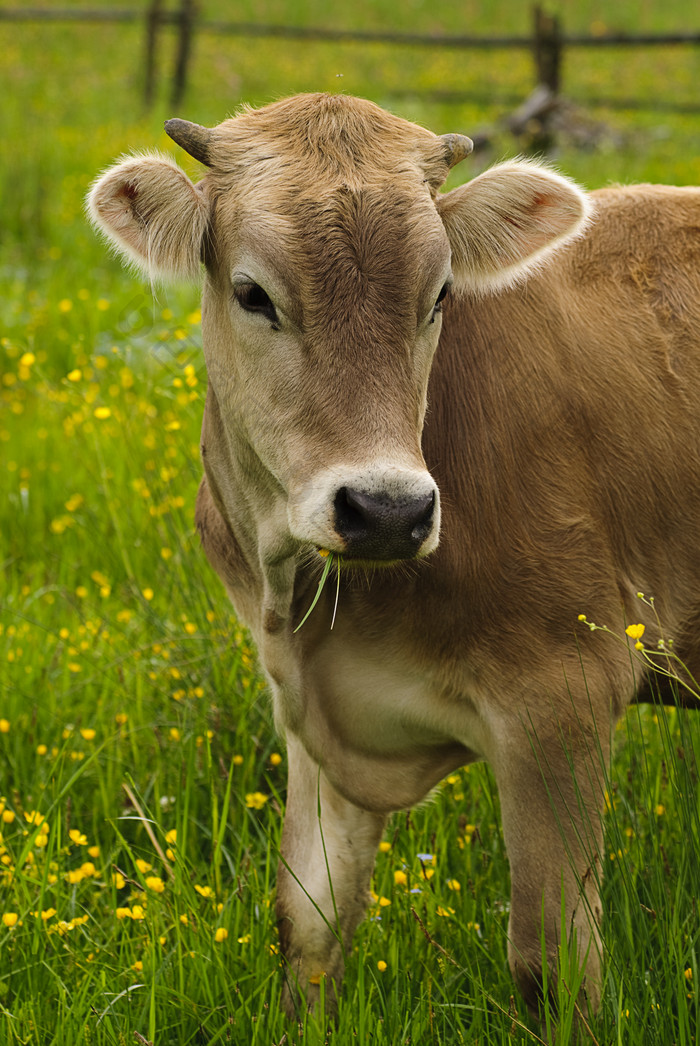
484 406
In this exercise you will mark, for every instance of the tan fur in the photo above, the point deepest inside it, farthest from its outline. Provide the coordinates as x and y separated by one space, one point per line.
559 419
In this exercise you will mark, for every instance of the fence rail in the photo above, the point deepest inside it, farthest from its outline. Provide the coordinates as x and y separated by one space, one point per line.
547 42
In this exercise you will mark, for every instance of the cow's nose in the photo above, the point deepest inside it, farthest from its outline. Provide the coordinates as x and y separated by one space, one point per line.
379 526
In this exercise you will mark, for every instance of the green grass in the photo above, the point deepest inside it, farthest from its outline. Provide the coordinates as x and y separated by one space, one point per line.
130 705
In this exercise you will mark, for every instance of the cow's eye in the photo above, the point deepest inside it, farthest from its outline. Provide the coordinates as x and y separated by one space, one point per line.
252 298
444 291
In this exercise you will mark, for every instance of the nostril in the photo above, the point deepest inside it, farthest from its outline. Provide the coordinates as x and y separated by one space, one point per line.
353 511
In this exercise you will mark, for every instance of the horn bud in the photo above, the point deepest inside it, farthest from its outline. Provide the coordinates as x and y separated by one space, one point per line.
192 137
456 148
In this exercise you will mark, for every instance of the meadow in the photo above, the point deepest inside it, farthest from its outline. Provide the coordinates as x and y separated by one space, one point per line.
141 781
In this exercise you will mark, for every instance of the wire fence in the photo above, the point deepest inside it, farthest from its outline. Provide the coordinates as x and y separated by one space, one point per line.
547 42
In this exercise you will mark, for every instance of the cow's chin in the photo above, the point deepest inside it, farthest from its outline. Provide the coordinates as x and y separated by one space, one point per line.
377 560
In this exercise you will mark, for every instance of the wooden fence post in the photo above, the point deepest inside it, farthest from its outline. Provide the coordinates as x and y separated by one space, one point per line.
186 22
153 22
547 46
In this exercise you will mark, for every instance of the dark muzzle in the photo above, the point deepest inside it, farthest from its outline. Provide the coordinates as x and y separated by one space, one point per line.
379 527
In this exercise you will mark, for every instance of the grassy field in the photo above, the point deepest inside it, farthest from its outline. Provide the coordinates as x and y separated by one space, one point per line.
141 783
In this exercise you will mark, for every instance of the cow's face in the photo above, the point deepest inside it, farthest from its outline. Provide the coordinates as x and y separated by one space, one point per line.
321 316
328 256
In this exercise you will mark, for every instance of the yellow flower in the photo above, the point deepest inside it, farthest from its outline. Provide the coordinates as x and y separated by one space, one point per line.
205 891
143 866
9 919
65 305
384 902
137 912
275 759
174 734
171 836
400 878
75 875
635 631
445 912
102 413
118 881
4 726
88 868
384 847
8 816
41 749
454 884
75 374
77 837
659 810
381 966
94 851
87 733
688 974
138 966
27 359
48 913
220 935
148 594
256 800
155 883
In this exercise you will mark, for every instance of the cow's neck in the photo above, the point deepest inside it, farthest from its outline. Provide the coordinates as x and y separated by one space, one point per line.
254 507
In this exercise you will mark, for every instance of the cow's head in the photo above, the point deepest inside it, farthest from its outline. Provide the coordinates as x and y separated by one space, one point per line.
328 254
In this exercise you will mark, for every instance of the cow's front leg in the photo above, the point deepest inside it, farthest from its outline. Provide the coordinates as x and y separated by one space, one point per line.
327 857
551 783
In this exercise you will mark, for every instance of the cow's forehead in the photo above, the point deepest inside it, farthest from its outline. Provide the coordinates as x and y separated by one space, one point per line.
327 138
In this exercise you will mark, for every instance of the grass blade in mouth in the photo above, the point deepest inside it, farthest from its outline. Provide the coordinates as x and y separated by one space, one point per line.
324 576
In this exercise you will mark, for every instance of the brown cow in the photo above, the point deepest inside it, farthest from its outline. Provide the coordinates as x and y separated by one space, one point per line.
559 420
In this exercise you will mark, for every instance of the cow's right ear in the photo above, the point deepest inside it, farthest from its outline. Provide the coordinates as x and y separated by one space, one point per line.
152 214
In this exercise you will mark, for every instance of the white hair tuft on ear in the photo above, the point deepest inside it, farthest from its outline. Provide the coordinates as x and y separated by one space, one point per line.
508 221
152 214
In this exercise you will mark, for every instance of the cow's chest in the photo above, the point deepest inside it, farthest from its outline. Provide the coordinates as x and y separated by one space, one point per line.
384 732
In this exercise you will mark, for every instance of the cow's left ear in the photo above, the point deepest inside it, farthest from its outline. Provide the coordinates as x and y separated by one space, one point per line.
152 214
506 221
